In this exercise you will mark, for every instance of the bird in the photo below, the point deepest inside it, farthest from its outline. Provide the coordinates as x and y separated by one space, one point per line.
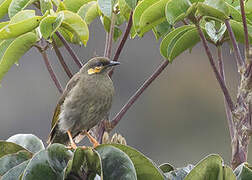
85 101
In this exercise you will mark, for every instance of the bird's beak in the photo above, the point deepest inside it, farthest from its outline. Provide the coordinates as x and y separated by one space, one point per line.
113 63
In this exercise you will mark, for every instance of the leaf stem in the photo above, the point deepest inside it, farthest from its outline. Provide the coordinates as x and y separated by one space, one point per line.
61 59
227 109
69 49
245 27
109 38
217 75
240 61
50 70
137 94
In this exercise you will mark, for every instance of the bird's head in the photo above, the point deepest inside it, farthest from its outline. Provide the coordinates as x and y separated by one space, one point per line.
99 65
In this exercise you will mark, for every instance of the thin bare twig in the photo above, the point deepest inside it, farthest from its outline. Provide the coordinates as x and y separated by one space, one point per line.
245 27
69 49
217 74
133 98
227 109
61 59
50 70
109 40
240 61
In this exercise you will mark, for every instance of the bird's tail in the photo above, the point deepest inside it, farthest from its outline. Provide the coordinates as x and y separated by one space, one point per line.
57 136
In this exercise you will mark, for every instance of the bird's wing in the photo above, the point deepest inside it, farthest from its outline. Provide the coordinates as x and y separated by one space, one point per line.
72 82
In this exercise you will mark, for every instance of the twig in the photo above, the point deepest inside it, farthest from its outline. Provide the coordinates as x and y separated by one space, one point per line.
109 40
122 42
240 61
217 75
69 49
61 59
245 27
227 109
50 70
133 98
106 44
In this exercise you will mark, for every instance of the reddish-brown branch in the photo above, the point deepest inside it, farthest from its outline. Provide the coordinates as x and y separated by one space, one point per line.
61 59
217 74
69 49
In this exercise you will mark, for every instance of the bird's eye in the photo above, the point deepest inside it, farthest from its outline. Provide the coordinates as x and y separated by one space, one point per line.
99 64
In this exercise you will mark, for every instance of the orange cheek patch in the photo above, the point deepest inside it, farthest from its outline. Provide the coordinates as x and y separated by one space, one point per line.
95 70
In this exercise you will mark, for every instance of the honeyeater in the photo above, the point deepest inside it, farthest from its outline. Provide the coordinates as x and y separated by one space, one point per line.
85 101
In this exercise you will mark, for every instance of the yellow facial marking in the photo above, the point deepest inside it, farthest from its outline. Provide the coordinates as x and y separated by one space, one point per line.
94 70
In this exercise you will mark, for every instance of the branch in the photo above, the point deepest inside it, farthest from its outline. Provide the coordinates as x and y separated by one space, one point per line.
217 75
133 98
69 49
123 41
240 61
50 70
227 109
109 37
61 59
245 27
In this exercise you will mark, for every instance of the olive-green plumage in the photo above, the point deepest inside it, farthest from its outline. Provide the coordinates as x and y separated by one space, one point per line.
85 101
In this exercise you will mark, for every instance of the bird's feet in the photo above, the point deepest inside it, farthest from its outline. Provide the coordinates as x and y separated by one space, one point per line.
91 139
72 144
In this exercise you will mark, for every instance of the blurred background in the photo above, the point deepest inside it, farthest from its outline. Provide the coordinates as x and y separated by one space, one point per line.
179 119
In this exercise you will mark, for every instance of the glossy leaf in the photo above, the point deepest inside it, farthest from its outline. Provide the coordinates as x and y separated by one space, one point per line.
115 163
49 163
11 160
49 25
131 3
22 15
74 5
215 35
18 5
243 172
29 141
169 39
152 16
166 167
176 10
9 148
146 169
45 5
124 9
87 160
162 29
2 24
228 173
4 5
214 8
19 28
15 172
106 23
88 12
105 7
15 51
179 173
209 168
74 23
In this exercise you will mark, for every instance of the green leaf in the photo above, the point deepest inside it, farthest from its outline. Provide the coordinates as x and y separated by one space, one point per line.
4 5
29 141
15 172
15 51
11 160
141 7
105 7
9 148
209 168
19 28
180 173
22 15
49 163
2 24
176 10
124 9
162 29
214 8
243 172
74 23
215 35
106 23
49 25
74 5
131 3
228 173
18 5
152 16
169 39
145 168
115 163
84 159
166 167
45 5
88 12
